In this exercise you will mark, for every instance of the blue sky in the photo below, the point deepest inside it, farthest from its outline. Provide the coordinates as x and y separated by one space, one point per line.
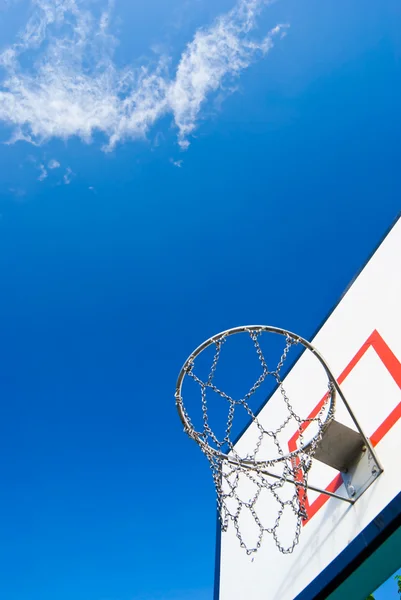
168 170
388 590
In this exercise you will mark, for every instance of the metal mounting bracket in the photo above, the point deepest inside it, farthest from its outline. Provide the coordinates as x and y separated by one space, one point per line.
361 474
349 452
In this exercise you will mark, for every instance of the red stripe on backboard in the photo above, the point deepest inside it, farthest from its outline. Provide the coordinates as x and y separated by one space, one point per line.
393 366
313 508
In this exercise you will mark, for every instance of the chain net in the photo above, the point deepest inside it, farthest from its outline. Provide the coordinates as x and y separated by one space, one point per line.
243 482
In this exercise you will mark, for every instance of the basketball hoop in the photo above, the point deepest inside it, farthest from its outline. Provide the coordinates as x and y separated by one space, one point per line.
264 476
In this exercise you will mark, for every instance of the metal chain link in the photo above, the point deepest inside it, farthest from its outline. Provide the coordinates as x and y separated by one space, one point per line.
228 476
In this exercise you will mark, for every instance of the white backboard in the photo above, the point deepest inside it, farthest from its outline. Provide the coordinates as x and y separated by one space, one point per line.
361 341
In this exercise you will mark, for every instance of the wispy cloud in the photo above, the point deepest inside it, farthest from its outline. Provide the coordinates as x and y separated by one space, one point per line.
43 173
68 176
74 87
53 164
17 192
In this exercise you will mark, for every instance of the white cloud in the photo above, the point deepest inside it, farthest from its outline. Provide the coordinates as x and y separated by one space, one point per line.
68 176
17 192
43 173
75 88
177 163
53 164
215 53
